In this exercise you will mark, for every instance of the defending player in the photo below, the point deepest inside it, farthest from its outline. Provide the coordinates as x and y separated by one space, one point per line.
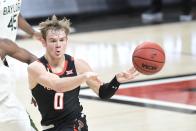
13 116
11 19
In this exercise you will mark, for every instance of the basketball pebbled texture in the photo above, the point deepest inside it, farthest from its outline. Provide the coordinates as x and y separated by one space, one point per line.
148 58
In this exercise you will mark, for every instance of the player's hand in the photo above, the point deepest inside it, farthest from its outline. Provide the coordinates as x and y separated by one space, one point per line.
127 76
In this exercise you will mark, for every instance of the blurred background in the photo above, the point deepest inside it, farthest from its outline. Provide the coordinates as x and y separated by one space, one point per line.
87 15
105 33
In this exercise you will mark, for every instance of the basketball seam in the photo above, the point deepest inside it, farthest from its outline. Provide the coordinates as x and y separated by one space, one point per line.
148 59
161 51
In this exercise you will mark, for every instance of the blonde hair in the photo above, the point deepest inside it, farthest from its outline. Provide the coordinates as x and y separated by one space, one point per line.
54 24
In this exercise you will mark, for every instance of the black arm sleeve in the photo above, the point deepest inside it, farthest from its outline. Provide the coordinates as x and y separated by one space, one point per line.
107 90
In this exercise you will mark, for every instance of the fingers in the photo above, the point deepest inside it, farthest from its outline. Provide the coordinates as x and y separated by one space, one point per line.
132 70
136 74
127 75
38 36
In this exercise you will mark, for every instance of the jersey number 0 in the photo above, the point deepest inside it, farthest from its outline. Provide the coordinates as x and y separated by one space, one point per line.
58 101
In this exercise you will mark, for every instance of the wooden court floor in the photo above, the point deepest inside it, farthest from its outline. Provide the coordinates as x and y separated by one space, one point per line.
165 101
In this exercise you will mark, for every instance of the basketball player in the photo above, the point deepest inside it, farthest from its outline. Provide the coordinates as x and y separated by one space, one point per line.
11 19
13 116
56 77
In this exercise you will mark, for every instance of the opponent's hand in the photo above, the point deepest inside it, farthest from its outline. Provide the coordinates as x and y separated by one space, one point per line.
38 36
127 76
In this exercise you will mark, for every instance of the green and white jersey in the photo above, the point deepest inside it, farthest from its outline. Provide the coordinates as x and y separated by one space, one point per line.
9 11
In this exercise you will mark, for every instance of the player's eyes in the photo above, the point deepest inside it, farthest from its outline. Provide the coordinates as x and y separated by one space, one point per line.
52 40
62 40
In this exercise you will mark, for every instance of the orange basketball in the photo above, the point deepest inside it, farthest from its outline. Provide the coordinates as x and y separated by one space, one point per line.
148 58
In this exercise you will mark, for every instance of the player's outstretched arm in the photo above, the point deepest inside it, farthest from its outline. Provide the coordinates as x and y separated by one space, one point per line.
105 90
38 74
13 50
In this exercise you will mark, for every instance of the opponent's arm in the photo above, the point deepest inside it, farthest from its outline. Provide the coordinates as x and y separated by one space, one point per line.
38 74
13 50
26 27
105 90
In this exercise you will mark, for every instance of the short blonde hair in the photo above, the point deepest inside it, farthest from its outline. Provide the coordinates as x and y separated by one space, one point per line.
54 24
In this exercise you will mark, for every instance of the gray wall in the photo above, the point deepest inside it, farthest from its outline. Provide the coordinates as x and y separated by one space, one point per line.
39 8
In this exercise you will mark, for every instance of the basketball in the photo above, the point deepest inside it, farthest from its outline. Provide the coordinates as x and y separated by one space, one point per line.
148 58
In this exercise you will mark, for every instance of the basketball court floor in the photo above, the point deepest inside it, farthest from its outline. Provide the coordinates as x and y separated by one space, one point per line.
165 101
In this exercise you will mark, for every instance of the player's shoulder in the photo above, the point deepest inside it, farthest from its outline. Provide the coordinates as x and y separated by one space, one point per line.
82 66
36 65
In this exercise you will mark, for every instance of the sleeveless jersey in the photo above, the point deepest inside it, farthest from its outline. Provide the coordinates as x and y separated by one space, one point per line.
9 11
56 108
